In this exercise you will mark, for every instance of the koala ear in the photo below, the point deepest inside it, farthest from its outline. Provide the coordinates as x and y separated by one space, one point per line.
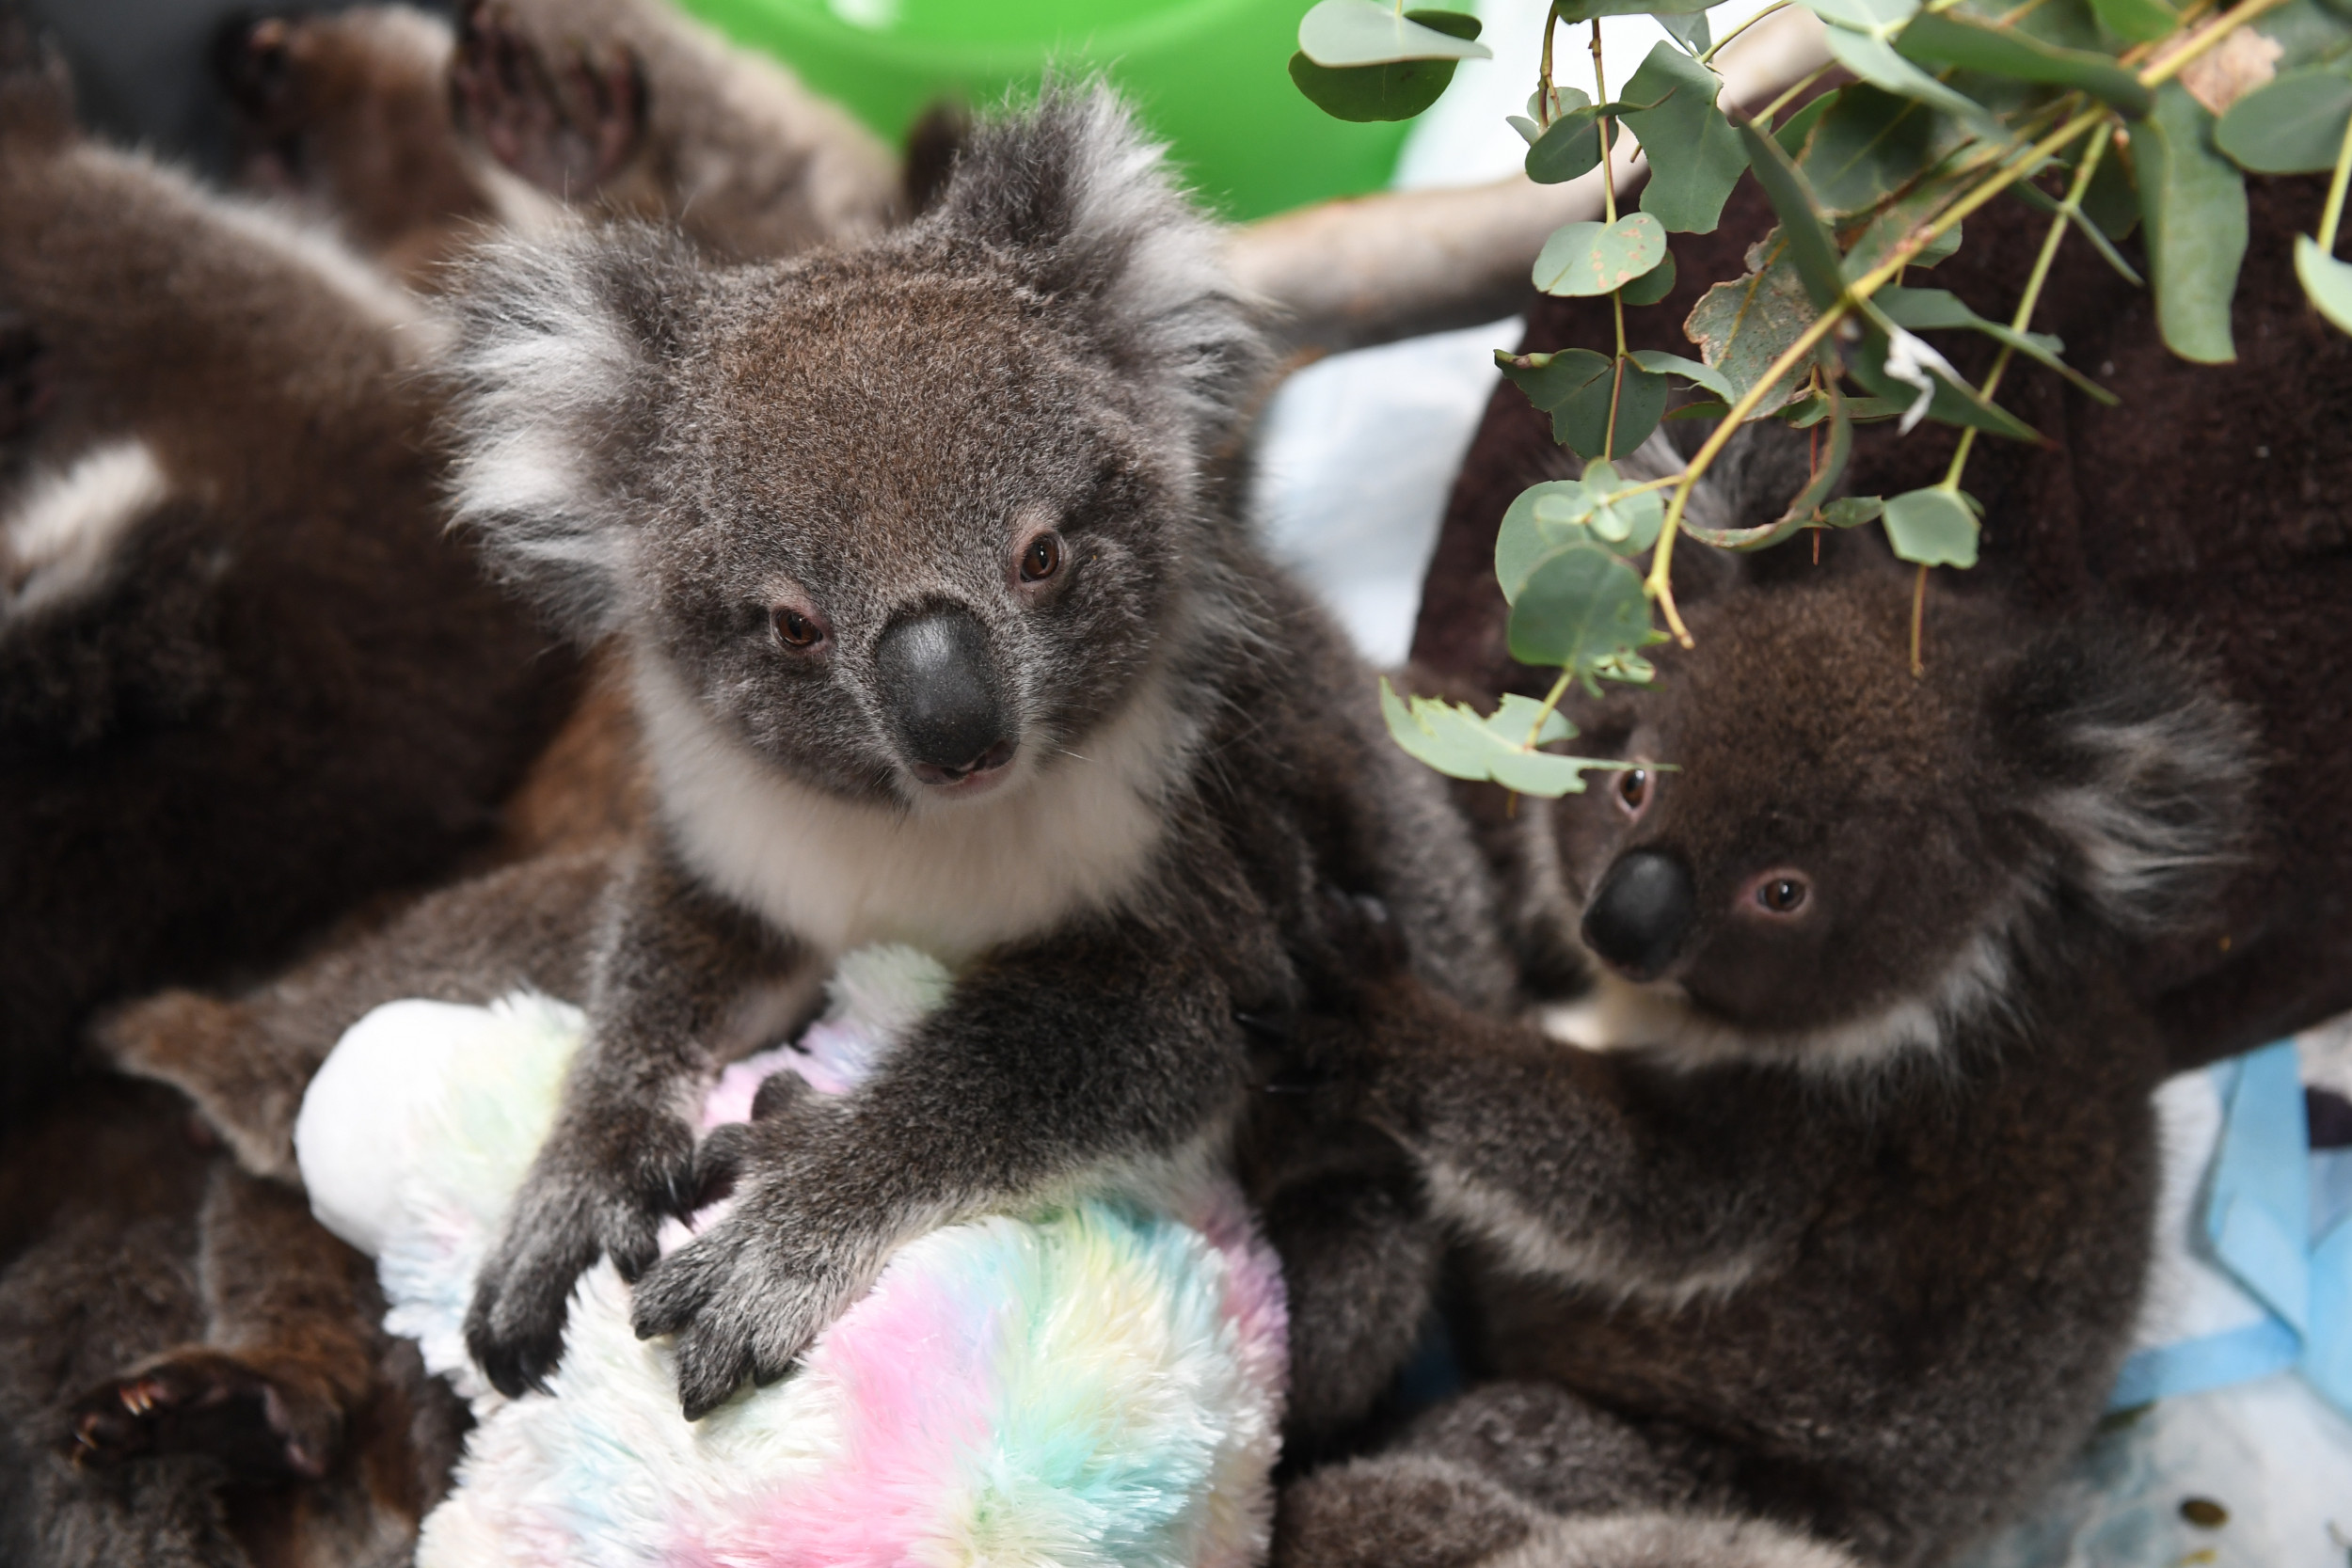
562 344
1085 209
2139 770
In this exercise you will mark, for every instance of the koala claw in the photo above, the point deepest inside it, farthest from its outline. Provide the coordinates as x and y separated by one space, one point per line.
742 1305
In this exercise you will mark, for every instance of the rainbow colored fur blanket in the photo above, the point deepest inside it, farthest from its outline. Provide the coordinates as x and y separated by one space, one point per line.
1098 1382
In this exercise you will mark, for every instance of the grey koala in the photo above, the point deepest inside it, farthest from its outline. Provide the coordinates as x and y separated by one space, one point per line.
943 629
1827 1234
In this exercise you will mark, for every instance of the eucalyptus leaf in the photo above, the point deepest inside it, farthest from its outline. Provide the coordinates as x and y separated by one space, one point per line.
1689 30
1550 379
2110 203
1932 309
1581 605
2137 21
1582 423
2327 280
1584 10
1580 259
1451 739
1811 249
1894 368
1741 327
1570 147
1343 33
1661 363
1853 511
2194 203
1943 39
1365 94
1871 144
1694 155
1932 527
1540 521
1875 60
2293 125
1653 285
1895 221
1880 17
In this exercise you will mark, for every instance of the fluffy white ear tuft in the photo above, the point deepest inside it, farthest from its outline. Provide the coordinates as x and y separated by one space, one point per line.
560 343
1079 200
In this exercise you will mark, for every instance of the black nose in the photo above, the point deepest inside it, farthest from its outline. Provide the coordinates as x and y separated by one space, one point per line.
1643 910
944 695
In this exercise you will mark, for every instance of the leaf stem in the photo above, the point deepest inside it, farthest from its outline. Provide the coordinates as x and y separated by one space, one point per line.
1918 620
1546 95
2068 211
2172 64
1551 701
2333 215
1716 48
1608 169
1795 90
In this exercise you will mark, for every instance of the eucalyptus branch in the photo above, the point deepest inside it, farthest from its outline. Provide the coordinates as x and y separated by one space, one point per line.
2172 64
2333 215
1708 55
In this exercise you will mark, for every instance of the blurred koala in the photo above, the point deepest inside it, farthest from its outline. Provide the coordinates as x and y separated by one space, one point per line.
246 680
1818 1223
416 137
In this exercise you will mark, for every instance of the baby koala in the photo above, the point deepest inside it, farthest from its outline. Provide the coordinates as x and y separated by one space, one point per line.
1827 1233
944 630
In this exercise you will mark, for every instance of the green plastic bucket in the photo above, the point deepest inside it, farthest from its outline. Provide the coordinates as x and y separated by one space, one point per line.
1209 76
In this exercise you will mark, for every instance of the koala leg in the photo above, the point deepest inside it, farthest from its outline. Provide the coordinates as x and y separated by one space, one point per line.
564 120
289 1348
1566 1455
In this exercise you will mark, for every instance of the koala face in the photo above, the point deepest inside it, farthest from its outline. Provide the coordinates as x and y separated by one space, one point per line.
914 544
908 519
1833 859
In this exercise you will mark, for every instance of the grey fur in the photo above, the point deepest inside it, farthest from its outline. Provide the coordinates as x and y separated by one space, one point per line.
680 456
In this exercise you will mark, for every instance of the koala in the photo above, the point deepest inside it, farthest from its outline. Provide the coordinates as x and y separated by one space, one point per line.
942 628
248 681
416 137
1822 1217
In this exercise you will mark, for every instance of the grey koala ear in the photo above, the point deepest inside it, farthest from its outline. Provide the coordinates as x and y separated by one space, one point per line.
2139 767
560 347
1074 197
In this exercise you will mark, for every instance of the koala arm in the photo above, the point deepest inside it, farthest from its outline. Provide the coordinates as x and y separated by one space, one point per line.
1047 1065
668 1000
1590 1168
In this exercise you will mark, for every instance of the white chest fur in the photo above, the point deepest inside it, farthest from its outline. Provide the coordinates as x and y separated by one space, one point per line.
954 878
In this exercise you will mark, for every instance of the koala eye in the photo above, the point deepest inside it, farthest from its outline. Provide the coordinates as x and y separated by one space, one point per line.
1782 895
1633 788
796 629
1043 558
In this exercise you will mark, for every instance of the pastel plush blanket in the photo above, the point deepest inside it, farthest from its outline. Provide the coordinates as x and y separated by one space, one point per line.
1095 1382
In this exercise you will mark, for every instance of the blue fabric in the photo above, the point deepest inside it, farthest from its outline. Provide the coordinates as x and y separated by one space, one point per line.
2258 1221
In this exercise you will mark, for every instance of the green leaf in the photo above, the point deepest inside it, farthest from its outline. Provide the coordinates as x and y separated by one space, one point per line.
1532 530
1853 511
1688 30
1451 739
1581 605
1874 60
1933 309
1584 10
1653 285
1343 33
1708 409
1585 258
1811 250
1658 362
1550 379
1363 94
1894 222
1877 363
1880 17
1742 327
2327 280
2295 125
2111 203
1581 422
2194 203
1932 527
2137 21
1872 144
1694 155
1791 134
1943 39
1569 146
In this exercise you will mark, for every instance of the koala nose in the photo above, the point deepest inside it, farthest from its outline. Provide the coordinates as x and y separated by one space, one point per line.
942 689
1644 911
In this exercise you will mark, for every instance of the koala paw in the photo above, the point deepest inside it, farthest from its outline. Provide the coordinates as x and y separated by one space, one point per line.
746 1298
568 1215
564 124
204 1401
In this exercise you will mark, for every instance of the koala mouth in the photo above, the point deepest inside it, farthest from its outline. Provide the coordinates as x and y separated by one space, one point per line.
978 777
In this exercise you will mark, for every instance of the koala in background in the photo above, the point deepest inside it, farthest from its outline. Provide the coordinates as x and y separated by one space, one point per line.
246 680
943 629
1827 1233
416 137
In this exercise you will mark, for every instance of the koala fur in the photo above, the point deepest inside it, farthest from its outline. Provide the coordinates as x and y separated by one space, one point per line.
246 680
942 629
1830 1205
417 137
